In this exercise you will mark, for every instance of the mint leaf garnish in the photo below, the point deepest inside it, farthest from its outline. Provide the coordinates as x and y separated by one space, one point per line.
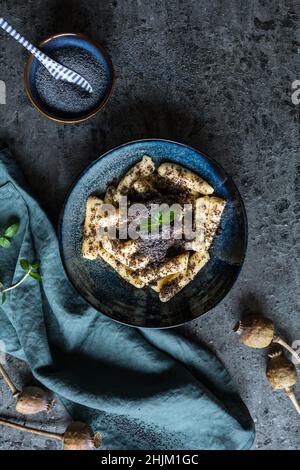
5 242
24 264
12 230
35 276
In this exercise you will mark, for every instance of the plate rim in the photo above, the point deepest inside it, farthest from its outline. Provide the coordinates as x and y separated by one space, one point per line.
105 155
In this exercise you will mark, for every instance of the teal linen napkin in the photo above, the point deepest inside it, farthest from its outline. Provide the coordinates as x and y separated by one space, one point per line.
142 389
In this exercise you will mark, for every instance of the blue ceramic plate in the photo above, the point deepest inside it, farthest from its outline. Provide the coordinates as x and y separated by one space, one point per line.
101 286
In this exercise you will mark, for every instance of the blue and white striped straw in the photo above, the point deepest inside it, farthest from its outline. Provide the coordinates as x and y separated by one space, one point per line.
57 70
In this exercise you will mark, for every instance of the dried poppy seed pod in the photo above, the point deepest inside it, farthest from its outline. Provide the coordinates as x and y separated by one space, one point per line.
78 436
282 375
255 331
31 400
281 372
34 400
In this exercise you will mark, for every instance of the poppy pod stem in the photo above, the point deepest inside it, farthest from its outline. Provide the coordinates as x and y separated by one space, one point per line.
285 345
9 382
291 394
40 432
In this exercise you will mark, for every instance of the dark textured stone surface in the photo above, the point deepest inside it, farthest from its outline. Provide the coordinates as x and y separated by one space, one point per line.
216 75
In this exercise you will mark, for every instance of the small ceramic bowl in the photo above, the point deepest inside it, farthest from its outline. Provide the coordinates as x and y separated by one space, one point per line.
53 43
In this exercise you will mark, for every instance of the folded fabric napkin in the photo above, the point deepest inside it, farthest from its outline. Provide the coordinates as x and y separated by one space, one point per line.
142 389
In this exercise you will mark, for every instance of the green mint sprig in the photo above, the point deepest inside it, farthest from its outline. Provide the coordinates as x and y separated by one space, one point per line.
8 234
30 269
160 218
